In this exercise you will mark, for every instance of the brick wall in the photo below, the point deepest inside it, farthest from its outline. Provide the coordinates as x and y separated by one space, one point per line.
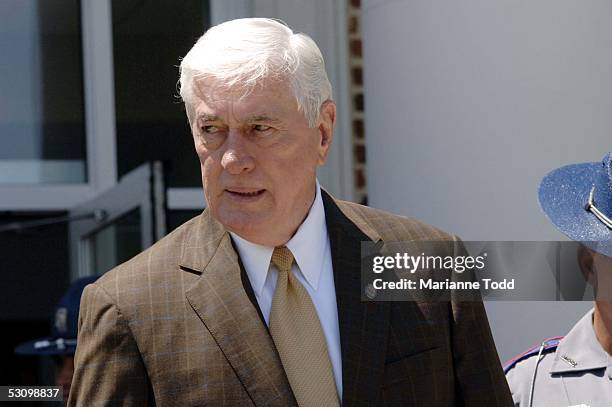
357 109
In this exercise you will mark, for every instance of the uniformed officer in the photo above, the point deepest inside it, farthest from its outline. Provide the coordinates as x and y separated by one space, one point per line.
61 344
575 370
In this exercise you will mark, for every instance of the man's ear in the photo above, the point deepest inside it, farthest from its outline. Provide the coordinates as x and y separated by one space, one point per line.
327 120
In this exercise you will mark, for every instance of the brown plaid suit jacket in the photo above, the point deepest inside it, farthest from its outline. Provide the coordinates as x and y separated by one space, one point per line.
175 327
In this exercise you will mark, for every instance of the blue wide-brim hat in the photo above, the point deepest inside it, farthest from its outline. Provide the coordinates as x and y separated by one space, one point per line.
577 199
64 325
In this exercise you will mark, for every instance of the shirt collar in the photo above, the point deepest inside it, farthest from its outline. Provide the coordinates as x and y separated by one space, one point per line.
580 349
308 246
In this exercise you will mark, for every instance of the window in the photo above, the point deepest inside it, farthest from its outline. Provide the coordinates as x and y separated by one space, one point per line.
42 131
148 40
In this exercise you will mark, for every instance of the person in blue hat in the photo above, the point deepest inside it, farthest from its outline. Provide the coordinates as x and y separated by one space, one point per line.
575 370
61 344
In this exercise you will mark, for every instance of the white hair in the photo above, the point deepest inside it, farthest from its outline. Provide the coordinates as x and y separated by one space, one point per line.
245 51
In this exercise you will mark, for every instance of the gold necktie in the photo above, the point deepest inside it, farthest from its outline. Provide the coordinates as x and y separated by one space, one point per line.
299 338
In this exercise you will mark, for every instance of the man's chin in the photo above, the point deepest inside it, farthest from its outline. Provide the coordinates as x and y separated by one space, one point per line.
243 224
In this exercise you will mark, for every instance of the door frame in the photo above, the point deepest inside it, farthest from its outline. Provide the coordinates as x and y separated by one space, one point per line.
142 189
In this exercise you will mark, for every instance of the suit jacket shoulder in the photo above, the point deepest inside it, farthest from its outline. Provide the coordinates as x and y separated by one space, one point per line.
160 264
389 226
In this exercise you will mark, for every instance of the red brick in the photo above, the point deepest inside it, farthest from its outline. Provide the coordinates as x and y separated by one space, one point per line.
360 153
359 179
358 102
358 128
357 75
355 47
353 24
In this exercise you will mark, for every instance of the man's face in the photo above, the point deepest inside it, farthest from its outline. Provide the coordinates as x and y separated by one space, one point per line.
602 267
258 158
597 269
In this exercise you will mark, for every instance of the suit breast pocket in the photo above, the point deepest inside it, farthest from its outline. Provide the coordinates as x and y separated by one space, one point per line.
431 366
421 379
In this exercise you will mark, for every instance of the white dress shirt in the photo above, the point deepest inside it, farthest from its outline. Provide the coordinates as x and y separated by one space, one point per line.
312 253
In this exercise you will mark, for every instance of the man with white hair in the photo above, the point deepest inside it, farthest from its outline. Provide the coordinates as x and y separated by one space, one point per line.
257 301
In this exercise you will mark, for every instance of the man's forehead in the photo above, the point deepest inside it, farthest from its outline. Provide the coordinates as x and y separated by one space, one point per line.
259 103
217 90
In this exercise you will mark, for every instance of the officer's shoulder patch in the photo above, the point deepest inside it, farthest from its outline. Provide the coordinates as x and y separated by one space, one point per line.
550 345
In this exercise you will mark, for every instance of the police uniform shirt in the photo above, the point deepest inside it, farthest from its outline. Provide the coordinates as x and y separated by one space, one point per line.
577 373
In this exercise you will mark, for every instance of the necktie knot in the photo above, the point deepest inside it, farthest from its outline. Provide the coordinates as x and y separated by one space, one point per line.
282 258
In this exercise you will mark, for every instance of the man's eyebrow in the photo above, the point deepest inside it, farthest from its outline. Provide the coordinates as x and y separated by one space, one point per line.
261 118
209 117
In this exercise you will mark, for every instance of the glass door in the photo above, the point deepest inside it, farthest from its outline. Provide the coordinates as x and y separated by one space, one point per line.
119 223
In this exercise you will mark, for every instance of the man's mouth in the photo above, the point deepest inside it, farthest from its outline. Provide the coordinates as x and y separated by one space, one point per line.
246 193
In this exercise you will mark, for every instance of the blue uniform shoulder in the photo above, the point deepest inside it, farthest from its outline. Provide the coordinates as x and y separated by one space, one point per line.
550 345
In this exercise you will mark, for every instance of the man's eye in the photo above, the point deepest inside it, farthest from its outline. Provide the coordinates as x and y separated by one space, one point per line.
210 129
261 127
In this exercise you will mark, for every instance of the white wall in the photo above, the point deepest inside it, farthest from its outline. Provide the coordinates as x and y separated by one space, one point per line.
469 104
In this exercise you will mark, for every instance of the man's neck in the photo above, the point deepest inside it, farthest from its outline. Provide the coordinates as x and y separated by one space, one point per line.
602 324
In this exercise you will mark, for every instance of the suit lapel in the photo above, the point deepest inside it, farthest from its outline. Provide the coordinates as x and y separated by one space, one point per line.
363 325
219 299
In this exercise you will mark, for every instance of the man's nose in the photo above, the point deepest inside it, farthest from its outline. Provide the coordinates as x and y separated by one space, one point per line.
237 158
